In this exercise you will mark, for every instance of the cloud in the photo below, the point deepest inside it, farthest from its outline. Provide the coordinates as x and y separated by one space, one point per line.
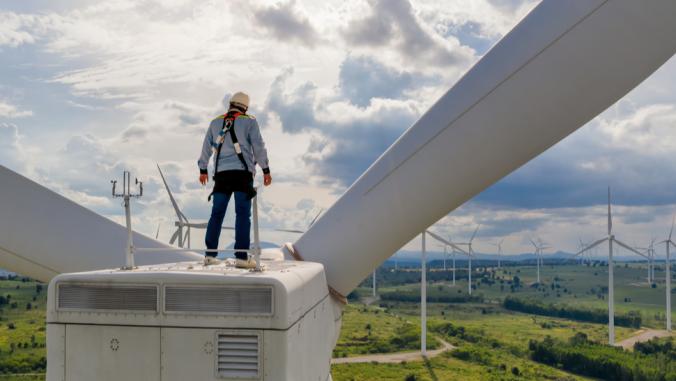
363 78
346 139
15 29
285 23
632 153
394 23
10 111
295 108
11 153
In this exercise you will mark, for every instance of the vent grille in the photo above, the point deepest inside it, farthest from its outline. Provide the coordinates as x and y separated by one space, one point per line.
238 356
107 297
222 300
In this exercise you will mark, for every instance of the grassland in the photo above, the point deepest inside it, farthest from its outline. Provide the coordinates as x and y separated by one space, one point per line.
494 346
22 326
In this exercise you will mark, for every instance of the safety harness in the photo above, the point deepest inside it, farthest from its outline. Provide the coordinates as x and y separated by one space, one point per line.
229 128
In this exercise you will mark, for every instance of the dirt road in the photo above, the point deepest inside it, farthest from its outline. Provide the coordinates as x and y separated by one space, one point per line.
640 336
394 358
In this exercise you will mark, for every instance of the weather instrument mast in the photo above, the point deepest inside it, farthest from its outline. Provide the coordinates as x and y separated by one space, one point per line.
126 195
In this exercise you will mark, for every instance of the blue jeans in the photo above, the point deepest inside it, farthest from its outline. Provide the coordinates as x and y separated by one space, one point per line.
242 222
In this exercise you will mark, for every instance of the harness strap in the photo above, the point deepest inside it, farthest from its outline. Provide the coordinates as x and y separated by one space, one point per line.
291 248
229 126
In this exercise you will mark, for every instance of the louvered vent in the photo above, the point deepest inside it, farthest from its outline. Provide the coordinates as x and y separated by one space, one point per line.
107 297
238 356
222 300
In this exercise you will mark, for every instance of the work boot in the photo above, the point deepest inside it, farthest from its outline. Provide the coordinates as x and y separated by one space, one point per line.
209 260
249 263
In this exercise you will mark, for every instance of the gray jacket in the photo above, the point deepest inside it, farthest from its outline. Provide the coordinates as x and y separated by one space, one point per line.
250 140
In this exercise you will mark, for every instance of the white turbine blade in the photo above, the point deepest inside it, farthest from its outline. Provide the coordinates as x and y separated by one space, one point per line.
174 237
673 219
186 236
610 215
157 234
521 88
35 241
630 248
533 243
197 225
179 214
474 234
445 242
593 245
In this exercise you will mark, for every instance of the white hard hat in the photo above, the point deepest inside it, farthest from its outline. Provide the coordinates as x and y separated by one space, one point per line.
240 98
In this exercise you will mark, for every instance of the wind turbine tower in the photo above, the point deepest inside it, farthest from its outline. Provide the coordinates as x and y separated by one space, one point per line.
610 238
669 242
423 299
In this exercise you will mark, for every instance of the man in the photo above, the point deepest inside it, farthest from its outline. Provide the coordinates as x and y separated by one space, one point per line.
237 145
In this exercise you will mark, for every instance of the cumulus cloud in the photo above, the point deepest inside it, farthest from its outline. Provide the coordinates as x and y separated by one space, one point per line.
295 108
364 78
15 29
394 22
347 139
285 23
631 153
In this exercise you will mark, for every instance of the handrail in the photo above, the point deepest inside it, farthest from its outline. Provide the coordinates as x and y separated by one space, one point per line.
256 250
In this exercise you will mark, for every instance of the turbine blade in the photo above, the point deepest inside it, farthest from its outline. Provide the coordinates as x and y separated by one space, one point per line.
174 237
593 245
186 236
179 214
449 243
157 234
630 248
673 219
475 231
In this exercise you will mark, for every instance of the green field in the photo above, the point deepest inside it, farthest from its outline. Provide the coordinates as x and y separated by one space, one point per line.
22 328
582 286
494 344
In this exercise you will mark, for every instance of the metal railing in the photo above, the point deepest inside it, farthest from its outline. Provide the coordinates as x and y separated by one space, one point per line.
256 250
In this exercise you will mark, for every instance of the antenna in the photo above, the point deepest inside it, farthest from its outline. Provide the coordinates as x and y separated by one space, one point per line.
126 195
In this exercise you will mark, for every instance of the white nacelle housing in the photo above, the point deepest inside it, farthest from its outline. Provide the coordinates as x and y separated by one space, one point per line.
185 321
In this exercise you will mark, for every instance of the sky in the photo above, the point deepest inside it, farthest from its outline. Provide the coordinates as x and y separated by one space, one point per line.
89 89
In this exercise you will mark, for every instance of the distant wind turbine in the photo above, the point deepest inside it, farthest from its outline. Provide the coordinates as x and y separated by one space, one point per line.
539 249
610 238
470 254
453 246
499 246
183 222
